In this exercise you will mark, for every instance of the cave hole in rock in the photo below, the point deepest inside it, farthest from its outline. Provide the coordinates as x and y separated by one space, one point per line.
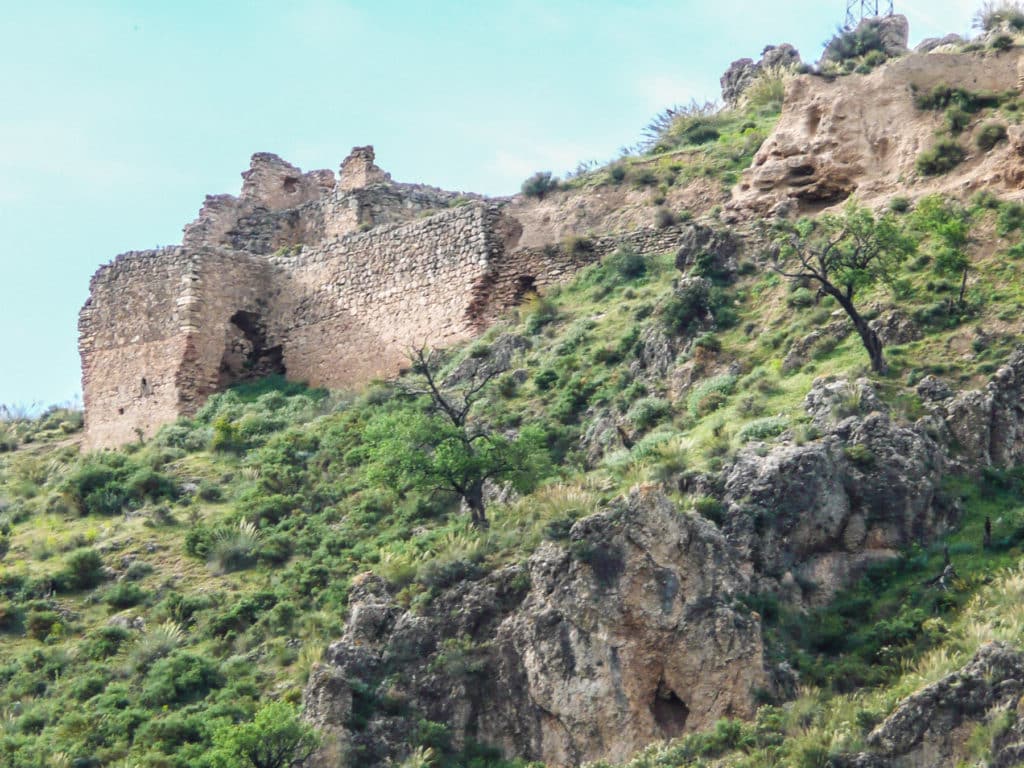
291 185
670 712
525 287
246 354
144 388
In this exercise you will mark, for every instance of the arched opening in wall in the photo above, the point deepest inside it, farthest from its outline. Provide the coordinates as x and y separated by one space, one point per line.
525 287
670 712
246 354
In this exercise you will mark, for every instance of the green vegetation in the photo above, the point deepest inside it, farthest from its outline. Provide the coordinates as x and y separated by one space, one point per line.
540 185
943 156
845 254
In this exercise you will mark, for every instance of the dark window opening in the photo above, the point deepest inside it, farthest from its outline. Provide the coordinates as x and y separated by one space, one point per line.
291 185
246 353
144 388
120 411
526 286
670 712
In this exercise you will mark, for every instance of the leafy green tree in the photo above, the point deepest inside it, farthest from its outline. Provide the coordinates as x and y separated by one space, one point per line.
846 254
435 444
949 225
276 738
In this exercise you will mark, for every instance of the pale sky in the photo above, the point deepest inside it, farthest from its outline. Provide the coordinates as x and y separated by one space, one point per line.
118 117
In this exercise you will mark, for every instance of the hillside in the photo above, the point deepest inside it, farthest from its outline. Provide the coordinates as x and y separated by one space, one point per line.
712 531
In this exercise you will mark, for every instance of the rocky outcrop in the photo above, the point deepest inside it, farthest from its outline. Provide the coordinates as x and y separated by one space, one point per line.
930 727
627 633
810 518
743 72
863 133
713 250
987 426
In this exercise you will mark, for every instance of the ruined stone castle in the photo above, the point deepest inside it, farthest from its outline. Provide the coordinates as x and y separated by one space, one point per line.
326 280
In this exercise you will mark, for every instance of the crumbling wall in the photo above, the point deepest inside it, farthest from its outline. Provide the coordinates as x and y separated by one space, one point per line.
351 309
154 333
276 208
522 271
132 336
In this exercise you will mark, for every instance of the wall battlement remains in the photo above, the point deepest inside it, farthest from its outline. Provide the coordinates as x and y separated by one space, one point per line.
325 279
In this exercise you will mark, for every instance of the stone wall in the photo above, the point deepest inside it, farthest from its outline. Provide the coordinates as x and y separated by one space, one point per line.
131 339
525 270
352 308
155 332
328 283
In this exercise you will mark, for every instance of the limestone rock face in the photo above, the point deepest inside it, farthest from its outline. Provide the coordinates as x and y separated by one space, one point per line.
863 133
930 727
987 426
817 514
627 634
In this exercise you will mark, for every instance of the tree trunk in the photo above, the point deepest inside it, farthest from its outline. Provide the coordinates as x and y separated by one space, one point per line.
868 337
474 498
963 289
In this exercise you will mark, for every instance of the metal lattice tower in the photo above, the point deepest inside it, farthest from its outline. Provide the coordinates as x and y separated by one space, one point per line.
858 10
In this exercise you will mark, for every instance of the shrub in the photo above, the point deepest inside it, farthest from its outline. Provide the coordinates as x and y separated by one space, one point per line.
233 549
540 185
943 157
762 429
994 13
541 311
990 135
663 218
710 394
617 173
83 569
645 177
180 678
210 491
648 411
690 304
627 262
693 124
40 623
125 594
1010 218
1002 43
848 44
155 644
801 298
945 96
711 508
766 93
105 642
859 454
276 738
957 119
899 204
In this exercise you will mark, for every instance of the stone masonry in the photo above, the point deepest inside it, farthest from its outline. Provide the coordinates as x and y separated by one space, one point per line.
329 281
